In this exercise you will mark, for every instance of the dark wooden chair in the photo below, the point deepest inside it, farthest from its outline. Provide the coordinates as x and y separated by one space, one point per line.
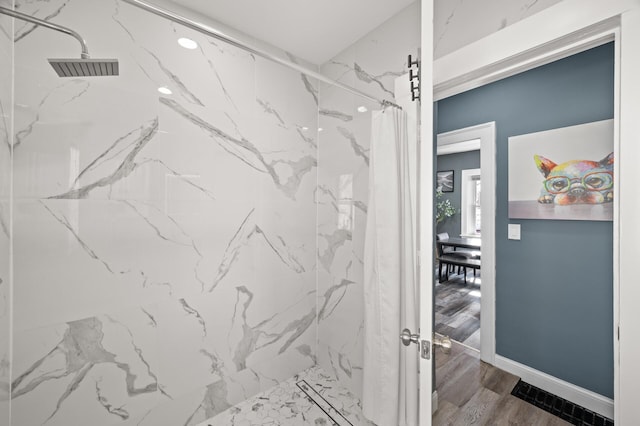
444 255
450 258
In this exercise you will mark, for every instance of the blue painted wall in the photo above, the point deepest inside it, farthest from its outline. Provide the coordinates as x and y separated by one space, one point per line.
456 162
554 288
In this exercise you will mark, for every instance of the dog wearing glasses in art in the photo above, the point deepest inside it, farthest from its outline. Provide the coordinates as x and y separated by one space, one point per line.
576 181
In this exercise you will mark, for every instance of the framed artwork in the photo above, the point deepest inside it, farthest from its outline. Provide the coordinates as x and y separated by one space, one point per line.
444 180
563 174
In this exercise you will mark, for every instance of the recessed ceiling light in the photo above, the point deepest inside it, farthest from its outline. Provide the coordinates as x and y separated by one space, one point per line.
319 129
187 43
305 128
164 90
362 108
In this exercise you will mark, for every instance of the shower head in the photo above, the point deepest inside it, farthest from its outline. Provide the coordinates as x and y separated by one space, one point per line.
85 67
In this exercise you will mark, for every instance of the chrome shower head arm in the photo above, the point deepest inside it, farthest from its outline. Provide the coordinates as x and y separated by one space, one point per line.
46 24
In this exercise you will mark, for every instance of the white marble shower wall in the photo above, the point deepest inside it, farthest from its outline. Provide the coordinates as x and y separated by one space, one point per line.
164 245
371 65
6 108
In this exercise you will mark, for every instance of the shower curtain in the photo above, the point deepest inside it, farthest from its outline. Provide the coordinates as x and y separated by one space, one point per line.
390 384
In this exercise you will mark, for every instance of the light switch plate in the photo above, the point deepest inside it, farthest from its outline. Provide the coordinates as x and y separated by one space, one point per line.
514 231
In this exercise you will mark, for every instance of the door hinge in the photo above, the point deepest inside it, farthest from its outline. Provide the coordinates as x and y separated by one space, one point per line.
618 333
425 349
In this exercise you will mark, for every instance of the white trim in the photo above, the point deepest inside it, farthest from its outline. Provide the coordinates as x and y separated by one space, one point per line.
459 136
616 228
467 191
562 48
586 398
627 314
445 146
488 202
560 30
425 207
487 134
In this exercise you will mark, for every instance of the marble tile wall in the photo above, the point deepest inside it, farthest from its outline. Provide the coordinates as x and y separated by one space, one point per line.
6 109
461 22
164 245
372 65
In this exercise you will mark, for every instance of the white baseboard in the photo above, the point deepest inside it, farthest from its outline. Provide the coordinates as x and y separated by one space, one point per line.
586 398
434 401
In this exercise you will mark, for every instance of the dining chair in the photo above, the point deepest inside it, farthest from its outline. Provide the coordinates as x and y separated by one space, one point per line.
448 252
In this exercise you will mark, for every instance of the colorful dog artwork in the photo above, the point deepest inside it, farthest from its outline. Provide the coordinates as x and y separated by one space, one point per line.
576 181
566 173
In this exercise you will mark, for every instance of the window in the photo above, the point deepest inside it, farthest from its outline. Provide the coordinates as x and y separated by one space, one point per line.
471 211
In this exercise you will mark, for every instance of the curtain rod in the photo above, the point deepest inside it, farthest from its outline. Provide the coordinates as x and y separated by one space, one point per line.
212 32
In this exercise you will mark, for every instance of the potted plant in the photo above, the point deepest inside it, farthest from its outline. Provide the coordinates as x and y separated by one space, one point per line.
444 208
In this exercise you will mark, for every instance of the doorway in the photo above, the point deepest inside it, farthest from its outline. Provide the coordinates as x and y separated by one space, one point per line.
536 41
532 308
471 148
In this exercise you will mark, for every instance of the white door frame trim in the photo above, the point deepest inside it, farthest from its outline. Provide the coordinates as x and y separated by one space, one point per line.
559 31
486 132
556 32
467 191
425 215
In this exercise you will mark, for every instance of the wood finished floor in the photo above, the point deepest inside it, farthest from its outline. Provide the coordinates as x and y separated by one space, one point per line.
471 392
457 307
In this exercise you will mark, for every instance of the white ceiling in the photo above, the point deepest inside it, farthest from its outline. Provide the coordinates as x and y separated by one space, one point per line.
315 30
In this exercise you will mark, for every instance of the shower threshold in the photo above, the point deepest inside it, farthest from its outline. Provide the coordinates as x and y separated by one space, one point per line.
311 397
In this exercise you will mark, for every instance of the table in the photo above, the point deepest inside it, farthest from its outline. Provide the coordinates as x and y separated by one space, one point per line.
461 242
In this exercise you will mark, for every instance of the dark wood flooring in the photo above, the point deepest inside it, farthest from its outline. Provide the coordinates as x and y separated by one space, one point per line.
471 392
457 307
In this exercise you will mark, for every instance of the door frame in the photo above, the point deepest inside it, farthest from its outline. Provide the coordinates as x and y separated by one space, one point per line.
486 132
565 28
425 216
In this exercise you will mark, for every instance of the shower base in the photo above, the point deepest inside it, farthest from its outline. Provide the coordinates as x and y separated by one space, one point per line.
311 397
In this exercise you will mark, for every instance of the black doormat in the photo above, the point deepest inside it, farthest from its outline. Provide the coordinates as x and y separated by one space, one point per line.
560 407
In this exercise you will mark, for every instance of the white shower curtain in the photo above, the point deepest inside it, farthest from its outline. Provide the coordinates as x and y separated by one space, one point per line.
390 388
